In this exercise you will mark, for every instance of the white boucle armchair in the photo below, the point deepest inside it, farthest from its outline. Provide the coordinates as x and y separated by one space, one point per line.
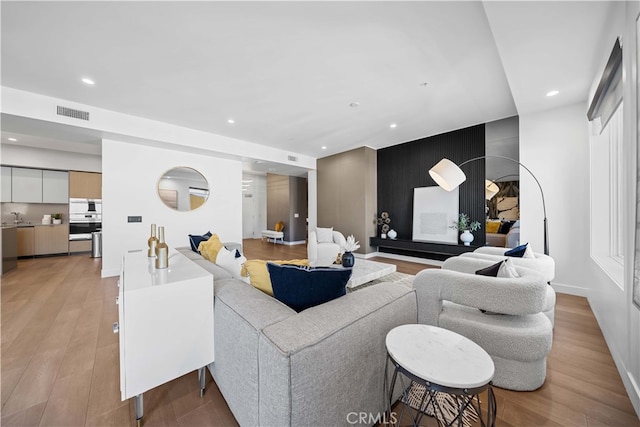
517 340
323 253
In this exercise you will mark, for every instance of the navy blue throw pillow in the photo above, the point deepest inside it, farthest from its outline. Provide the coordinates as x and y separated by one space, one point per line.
195 239
518 251
505 227
302 287
491 271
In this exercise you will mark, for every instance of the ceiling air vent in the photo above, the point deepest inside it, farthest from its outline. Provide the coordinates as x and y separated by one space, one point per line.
292 158
74 114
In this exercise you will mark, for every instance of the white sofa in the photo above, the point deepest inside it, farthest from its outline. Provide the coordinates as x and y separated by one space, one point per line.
323 254
517 340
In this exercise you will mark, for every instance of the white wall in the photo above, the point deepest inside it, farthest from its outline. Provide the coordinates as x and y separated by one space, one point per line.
130 173
254 206
555 146
16 155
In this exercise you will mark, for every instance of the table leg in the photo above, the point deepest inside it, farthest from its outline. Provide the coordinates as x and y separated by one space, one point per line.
139 409
202 378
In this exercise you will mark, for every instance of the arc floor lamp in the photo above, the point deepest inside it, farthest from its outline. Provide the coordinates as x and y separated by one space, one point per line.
449 176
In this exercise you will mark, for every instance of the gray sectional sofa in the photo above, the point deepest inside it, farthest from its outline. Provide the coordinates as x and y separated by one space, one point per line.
325 365
276 367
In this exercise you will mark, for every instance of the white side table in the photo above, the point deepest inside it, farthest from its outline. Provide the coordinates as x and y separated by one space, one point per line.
437 360
165 323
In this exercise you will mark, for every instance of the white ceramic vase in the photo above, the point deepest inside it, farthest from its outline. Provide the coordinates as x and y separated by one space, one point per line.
392 234
466 237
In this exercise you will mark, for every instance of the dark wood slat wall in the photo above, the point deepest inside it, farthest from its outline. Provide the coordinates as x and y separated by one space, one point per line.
403 167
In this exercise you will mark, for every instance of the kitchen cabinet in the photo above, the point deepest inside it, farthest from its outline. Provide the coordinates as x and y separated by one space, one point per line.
51 239
26 185
9 249
55 186
85 185
26 241
76 246
5 196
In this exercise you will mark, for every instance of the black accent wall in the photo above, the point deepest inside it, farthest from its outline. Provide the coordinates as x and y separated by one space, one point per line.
401 168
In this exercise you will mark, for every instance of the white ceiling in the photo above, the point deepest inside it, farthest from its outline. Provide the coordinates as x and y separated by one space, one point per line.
287 72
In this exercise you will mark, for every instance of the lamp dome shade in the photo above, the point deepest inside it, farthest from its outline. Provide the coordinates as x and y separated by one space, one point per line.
490 189
447 174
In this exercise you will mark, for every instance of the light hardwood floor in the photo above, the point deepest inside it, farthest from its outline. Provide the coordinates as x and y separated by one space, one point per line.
59 358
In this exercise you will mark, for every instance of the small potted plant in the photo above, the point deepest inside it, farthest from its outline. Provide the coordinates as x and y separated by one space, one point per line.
348 259
57 218
465 225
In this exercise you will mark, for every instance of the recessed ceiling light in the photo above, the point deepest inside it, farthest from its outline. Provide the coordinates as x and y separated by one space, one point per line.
553 93
393 125
88 81
354 105
12 139
231 121
324 147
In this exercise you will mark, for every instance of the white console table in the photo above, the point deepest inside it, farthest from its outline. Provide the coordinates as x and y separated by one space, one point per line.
165 323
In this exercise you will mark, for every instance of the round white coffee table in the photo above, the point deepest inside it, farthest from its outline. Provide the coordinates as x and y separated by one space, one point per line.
446 371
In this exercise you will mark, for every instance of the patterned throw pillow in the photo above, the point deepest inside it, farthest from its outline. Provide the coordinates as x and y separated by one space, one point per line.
227 260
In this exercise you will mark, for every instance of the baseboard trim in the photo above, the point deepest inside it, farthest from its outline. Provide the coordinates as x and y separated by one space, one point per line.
417 260
109 273
570 289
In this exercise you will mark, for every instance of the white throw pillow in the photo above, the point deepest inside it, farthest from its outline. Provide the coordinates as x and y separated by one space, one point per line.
325 235
508 269
227 260
528 252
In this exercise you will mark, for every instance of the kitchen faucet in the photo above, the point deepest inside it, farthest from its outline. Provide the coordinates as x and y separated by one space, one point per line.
16 219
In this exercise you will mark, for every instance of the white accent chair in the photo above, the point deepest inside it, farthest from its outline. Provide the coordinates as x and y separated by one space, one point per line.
517 340
323 253
543 264
540 263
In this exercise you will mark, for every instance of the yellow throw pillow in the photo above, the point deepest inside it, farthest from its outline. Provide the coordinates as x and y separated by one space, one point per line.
209 248
258 274
279 226
493 226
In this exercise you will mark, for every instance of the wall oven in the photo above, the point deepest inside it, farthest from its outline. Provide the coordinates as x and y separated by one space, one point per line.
85 217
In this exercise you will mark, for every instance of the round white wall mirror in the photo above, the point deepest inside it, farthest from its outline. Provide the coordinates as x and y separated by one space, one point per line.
183 189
